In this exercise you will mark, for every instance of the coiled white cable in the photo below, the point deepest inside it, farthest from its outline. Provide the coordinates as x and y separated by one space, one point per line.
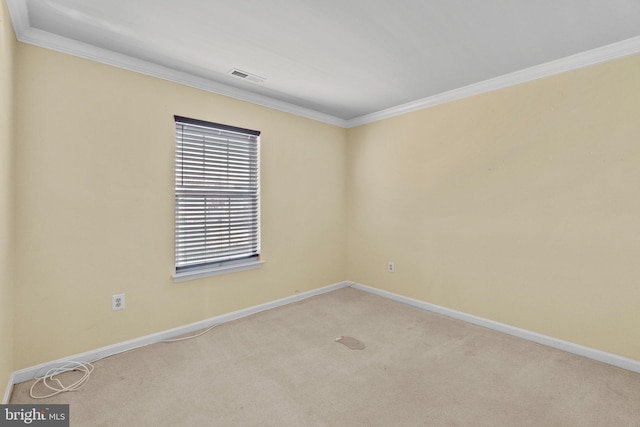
56 385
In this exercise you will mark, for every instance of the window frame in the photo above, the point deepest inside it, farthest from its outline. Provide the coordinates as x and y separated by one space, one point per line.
251 259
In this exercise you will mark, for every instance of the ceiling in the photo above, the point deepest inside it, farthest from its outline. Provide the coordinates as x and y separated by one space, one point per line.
344 62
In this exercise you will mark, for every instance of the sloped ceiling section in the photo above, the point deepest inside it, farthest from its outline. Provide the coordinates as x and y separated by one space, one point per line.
341 62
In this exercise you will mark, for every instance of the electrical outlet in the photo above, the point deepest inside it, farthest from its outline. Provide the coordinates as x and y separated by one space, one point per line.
117 302
391 267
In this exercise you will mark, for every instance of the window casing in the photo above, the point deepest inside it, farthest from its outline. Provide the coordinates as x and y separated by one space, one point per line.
217 198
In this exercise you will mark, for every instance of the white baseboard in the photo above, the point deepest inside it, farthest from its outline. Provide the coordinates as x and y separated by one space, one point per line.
91 356
7 392
591 353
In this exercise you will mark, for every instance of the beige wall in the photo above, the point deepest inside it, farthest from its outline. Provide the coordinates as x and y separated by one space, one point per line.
520 205
95 204
7 54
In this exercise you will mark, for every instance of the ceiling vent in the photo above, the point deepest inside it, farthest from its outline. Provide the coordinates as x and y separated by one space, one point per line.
246 76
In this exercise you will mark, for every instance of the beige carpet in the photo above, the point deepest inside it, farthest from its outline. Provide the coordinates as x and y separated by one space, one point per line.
284 367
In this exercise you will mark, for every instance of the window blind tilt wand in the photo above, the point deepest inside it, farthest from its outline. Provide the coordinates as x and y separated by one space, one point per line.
217 194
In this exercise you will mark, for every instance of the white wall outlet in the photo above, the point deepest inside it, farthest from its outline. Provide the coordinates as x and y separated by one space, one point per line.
391 267
117 302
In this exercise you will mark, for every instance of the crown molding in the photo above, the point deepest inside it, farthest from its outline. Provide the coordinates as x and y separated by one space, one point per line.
27 34
584 59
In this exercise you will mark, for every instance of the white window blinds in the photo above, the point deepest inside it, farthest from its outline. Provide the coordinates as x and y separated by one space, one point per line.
217 194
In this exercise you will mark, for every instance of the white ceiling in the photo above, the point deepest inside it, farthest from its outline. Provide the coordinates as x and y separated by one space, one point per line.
341 61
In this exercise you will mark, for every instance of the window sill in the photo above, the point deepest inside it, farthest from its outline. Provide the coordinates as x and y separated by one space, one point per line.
215 271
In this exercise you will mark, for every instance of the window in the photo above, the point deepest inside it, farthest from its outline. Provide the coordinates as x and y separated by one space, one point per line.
217 218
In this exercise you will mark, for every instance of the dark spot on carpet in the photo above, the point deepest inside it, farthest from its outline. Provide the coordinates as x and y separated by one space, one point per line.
351 343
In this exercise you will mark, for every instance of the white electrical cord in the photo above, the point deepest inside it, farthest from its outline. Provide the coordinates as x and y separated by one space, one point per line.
191 336
56 385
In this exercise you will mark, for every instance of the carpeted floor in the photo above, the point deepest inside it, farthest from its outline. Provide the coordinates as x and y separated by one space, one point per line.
284 367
